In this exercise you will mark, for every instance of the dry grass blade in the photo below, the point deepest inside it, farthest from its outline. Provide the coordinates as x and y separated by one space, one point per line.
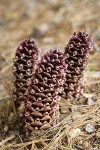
25 144
6 140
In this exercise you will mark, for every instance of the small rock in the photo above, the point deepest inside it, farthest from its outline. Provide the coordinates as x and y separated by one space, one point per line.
89 128
86 95
48 40
86 144
64 110
90 101
37 33
74 108
29 8
58 19
44 27
74 133
76 115
98 134
6 128
52 1
2 22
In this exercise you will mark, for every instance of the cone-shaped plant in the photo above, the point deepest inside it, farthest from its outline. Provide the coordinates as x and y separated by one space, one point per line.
77 54
42 107
25 62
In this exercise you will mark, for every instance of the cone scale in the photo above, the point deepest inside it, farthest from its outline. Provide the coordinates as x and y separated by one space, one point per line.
77 54
42 107
25 62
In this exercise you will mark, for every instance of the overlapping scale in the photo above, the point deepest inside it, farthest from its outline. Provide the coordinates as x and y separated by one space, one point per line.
77 54
25 63
42 107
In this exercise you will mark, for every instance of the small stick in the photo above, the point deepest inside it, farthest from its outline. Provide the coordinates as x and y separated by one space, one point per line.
4 141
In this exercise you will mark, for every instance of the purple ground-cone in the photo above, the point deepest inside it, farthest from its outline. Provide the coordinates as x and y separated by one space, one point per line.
26 59
77 54
42 107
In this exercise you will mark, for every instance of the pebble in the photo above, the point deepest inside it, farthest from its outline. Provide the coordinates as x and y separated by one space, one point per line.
2 22
65 110
86 144
6 128
98 134
29 7
86 95
48 40
37 33
44 27
89 128
90 101
75 132
76 115
58 19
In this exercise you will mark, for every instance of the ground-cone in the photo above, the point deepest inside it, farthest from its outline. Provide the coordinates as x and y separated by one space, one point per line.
26 58
42 107
77 54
